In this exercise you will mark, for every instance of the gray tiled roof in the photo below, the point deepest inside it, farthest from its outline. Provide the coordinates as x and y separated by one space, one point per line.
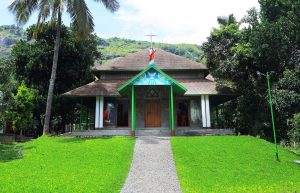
97 88
139 61
109 88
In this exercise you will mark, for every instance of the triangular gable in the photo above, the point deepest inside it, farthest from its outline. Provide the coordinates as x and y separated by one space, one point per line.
152 76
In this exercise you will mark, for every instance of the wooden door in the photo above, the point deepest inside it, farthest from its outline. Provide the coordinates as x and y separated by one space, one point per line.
152 113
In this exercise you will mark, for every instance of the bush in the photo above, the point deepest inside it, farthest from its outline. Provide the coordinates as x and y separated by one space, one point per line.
20 109
295 132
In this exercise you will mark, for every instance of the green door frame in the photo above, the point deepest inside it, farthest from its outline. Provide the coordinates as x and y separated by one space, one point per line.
133 113
172 125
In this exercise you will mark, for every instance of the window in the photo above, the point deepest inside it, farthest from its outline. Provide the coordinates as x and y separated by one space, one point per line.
122 113
115 112
196 113
109 113
152 93
182 113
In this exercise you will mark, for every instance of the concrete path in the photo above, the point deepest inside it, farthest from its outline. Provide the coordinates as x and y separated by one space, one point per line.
152 168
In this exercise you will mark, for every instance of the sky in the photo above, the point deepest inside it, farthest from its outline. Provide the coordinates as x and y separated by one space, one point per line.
173 21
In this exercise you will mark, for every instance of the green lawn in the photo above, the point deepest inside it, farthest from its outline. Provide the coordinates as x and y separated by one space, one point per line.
234 164
57 164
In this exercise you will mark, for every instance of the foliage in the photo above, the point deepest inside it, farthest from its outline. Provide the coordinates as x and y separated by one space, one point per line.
295 132
228 57
33 61
233 164
235 54
287 94
10 152
8 86
20 108
8 83
81 21
56 164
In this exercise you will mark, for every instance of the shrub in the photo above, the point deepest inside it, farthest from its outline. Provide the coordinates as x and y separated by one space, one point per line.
295 131
20 109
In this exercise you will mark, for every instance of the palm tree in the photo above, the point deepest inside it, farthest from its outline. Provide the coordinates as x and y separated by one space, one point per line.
52 10
226 20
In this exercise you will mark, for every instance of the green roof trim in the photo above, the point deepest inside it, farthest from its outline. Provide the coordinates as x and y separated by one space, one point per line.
177 87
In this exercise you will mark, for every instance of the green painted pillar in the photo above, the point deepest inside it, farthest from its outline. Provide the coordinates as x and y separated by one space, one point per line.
172 110
272 115
170 116
133 119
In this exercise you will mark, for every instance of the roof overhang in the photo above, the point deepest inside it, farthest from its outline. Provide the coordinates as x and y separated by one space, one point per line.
151 76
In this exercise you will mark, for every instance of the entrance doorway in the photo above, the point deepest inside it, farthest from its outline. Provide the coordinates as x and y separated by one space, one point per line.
152 113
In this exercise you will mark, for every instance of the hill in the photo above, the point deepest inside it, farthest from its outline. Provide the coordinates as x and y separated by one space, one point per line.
110 48
9 36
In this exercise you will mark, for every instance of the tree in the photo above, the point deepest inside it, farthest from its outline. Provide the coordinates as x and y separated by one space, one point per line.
229 60
20 108
33 61
270 42
8 85
82 22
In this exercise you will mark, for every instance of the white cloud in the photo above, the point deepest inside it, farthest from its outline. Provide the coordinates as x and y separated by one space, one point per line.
175 21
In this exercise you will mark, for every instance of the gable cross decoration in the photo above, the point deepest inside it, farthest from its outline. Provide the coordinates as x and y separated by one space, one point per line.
151 51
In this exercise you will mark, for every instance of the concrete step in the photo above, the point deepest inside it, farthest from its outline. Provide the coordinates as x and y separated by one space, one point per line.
204 132
153 132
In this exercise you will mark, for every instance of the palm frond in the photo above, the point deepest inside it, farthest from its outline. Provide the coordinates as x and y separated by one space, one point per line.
22 9
111 5
82 19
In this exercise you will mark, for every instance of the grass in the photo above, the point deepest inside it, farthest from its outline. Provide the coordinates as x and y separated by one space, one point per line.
234 164
57 164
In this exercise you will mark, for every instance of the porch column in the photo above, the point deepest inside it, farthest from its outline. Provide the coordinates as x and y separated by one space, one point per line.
205 111
99 112
207 107
172 110
101 106
133 123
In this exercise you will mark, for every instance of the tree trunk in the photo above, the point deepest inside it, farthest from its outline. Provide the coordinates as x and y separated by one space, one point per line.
53 76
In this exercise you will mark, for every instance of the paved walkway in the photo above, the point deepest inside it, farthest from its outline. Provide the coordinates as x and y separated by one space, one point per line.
152 168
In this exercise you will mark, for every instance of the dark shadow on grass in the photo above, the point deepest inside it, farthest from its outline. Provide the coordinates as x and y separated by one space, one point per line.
10 152
29 147
80 139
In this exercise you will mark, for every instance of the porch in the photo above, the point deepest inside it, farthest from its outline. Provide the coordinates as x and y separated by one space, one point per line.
152 114
150 132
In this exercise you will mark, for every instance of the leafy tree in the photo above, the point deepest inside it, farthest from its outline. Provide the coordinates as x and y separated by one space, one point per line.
229 59
82 22
269 43
33 61
295 132
20 108
8 85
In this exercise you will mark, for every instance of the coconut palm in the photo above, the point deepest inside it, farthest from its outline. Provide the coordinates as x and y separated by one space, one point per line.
52 10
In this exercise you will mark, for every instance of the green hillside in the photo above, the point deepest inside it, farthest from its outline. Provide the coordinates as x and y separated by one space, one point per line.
110 48
9 36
